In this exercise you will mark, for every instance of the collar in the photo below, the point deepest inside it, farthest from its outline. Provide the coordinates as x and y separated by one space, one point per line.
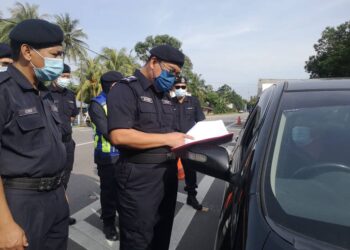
52 88
145 83
20 79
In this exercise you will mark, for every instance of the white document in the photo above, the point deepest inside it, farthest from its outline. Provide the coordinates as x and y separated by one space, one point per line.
206 130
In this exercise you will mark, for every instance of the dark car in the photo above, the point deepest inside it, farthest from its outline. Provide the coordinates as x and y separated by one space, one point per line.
288 185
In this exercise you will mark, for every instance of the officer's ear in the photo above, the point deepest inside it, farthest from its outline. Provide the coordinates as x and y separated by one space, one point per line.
152 62
26 52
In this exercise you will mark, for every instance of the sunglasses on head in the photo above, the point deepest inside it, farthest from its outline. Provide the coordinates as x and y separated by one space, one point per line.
182 87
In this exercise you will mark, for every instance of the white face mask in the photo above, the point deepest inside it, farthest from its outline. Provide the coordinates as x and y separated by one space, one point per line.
180 92
301 135
63 82
3 68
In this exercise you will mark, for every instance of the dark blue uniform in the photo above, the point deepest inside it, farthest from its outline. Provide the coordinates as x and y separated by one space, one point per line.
67 108
32 159
146 179
187 114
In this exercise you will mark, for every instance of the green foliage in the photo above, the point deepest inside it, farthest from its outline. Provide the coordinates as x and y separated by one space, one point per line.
332 57
118 61
19 13
73 44
142 48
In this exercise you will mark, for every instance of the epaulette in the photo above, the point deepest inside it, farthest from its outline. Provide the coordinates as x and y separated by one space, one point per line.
129 79
4 76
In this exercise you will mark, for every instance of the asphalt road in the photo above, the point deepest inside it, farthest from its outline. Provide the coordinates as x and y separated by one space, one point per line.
191 230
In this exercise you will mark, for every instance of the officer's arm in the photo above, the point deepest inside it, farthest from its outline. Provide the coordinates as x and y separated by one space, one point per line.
140 140
75 110
99 119
12 235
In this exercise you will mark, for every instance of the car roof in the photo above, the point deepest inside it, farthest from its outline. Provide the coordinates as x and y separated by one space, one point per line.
317 84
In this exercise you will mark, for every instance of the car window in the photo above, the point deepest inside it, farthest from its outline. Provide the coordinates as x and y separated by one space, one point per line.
307 187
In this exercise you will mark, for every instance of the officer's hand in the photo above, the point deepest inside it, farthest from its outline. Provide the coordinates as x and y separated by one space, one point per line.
176 139
12 237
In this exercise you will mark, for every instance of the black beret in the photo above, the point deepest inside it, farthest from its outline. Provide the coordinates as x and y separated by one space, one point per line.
181 79
66 68
5 51
169 54
37 33
111 77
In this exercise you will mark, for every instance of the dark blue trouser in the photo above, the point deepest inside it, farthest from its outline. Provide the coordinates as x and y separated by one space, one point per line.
146 204
108 196
190 178
42 215
70 149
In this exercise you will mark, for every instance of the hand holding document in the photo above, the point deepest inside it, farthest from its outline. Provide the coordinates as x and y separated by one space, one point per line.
210 132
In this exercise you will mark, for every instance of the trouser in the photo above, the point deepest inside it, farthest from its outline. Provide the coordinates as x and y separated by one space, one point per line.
70 148
108 195
190 178
42 215
146 204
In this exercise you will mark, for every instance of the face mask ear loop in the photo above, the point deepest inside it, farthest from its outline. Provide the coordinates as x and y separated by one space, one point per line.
40 56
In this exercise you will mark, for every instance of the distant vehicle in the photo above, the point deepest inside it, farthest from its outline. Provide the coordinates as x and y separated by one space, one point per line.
240 111
289 177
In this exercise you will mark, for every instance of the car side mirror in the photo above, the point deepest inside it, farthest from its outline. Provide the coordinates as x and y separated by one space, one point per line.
211 160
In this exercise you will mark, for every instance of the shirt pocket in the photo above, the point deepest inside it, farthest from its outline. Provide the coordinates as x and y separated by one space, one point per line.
31 128
168 115
190 113
148 115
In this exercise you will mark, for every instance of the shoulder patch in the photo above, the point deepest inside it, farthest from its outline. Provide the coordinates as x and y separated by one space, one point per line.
129 79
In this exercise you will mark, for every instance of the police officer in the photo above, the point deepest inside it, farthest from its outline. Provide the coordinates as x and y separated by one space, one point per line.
106 155
187 112
33 207
67 108
140 123
5 56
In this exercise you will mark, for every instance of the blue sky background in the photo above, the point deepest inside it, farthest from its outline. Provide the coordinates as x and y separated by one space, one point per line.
232 42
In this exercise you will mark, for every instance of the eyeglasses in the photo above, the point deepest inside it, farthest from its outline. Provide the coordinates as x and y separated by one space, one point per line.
182 87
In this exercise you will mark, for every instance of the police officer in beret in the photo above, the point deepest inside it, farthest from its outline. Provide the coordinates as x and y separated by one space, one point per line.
140 123
33 207
5 56
67 108
187 112
105 155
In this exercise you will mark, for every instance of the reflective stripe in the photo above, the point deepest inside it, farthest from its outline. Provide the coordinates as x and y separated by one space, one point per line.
100 143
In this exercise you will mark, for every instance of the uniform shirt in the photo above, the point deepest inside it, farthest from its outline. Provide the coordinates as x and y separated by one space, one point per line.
30 139
187 113
138 105
67 107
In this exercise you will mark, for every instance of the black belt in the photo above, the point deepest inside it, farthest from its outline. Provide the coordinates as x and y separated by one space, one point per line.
150 158
67 138
38 184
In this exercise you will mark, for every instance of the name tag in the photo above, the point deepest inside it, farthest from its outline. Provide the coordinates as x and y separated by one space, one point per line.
28 111
146 99
71 102
190 108
166 102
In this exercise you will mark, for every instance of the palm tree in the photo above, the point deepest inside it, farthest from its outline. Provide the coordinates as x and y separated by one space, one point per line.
119 61
19 13
73 44
90 72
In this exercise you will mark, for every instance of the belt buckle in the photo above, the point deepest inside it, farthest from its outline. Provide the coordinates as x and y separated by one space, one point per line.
46 184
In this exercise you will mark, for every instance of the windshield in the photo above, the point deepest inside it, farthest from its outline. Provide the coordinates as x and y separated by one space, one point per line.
307 186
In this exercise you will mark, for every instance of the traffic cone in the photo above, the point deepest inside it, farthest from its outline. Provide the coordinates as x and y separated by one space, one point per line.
180 170
239 121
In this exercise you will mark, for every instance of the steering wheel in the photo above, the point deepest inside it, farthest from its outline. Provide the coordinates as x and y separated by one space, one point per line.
320 168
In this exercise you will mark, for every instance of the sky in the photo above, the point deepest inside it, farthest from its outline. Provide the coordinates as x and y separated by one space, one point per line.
233 42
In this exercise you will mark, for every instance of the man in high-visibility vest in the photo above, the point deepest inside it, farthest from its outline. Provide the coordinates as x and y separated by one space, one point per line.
106 155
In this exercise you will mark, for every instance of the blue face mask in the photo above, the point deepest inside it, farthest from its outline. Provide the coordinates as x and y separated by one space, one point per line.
180 92
52 69
165 81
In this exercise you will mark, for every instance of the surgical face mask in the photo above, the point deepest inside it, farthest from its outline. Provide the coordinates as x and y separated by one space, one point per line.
165 81
301 135
180 92
52 69
63 82
3 68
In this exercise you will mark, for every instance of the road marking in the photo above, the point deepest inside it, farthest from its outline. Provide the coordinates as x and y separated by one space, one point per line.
84 143
186 213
